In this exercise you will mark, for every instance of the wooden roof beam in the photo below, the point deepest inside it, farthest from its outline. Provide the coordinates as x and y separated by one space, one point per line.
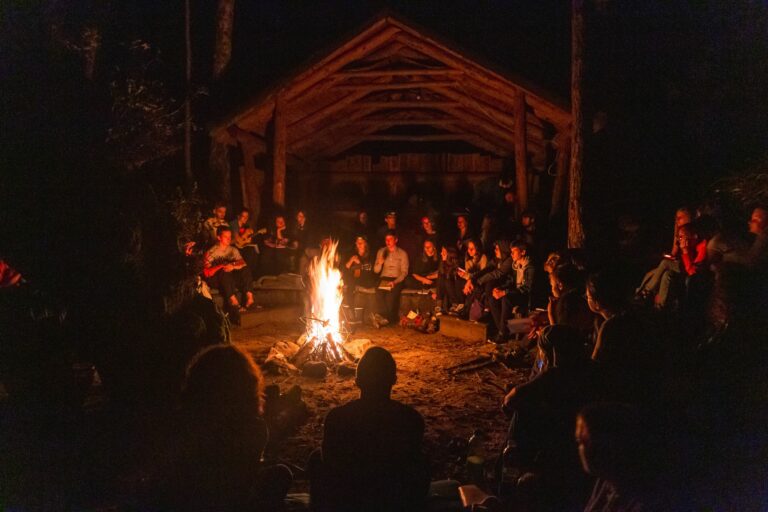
354 49
501 118
304 139
400 72
407 104
393 86
418 138
329 109
556 114
491 130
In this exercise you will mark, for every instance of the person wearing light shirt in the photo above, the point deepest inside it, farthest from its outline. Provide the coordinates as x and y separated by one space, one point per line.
392 266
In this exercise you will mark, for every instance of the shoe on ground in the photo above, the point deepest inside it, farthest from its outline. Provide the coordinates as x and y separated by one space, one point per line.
381 320
458 308
374 321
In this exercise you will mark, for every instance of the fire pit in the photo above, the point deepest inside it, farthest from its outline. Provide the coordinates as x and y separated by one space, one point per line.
326 336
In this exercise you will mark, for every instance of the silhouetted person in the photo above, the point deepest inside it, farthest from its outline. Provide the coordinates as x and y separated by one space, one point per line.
372 448
217 446
611 444
543 411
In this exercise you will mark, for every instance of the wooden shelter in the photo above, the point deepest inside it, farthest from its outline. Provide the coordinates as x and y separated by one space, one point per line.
393 101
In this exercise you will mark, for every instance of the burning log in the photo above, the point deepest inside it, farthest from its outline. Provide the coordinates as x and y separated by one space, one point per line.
303 354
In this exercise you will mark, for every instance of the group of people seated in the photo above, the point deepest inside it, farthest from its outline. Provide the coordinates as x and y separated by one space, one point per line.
492 271
453 270
644 400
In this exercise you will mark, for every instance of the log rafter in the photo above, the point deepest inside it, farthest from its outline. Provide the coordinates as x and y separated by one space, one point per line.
374 82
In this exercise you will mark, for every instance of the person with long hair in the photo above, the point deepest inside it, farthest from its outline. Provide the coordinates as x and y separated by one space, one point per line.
424 271
448 294
479 287
358 269
220 440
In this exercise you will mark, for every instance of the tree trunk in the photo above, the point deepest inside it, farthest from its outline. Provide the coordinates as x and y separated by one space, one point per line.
188 100
561 166
576 237
91 44
222 52
218 156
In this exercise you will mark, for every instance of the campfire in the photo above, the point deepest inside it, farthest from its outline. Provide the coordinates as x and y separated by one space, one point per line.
323 338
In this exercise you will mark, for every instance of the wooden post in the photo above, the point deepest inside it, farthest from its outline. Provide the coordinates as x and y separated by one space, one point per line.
521 152
576 235
251 178
279 151
561 170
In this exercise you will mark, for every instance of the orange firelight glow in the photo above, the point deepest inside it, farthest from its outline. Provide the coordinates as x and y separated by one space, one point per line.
326 295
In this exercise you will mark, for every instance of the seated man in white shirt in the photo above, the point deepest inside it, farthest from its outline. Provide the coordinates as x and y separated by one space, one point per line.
392 266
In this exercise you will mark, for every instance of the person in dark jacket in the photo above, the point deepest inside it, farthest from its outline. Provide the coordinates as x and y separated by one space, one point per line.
424 269
514 293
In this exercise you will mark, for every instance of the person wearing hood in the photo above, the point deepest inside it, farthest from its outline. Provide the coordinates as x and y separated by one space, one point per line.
514 292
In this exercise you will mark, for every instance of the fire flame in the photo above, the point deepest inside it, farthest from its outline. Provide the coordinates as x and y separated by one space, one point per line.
326 296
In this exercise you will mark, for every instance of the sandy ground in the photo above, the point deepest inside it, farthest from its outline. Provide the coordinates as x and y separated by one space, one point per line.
452 406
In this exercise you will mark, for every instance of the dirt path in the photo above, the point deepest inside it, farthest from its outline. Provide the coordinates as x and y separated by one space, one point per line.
452 406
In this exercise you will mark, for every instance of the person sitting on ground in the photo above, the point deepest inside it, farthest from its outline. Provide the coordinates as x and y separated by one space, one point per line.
216 451
654 282
390 225
463 233
371 458
218 219
392 266
428 232
567 305
226 270
475 261
612 448
301 233
424 269
554 259
244 238
280 249
362 227
514 293
358 269
448 294
479 288
628 349
543 411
